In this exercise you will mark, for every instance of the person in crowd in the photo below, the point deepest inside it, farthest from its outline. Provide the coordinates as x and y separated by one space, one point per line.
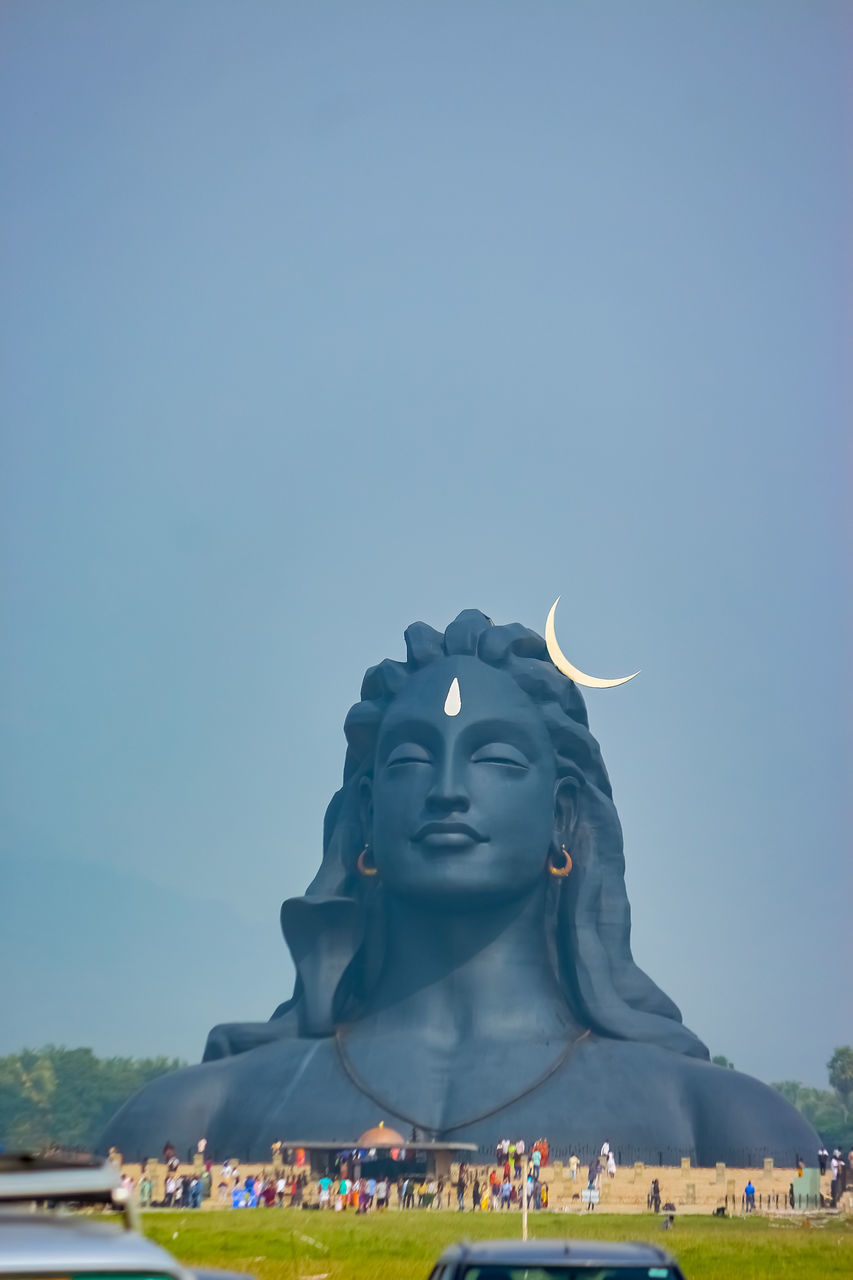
574 1165
822 1157
381 1193
749 1194
592 1178
611 1165
324 1187
475 1194
460 1188
506 1192
654 1196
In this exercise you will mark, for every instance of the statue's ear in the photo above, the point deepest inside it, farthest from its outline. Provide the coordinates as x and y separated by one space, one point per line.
565 809
365 808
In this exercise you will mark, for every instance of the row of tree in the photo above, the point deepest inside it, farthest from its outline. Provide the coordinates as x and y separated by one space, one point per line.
66 1096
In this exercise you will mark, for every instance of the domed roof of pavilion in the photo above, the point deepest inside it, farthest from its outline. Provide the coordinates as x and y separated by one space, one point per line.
381 1136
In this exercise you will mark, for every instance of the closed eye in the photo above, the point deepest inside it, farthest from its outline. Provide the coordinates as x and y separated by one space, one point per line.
408 753
500 753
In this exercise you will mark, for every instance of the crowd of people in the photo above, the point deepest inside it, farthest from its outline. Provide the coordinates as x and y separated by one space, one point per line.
604 1163
841 1172
503 1189
425 1191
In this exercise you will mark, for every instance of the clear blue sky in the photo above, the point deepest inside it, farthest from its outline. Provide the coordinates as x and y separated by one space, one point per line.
320 318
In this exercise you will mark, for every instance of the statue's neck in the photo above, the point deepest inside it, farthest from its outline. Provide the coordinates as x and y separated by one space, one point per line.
485 974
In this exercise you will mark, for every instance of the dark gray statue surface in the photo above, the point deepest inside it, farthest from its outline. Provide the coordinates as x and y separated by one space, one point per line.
463 955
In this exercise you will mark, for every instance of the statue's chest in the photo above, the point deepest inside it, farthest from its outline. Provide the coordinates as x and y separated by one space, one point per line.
443 1087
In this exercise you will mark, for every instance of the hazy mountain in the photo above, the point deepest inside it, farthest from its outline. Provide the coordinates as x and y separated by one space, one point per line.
135 970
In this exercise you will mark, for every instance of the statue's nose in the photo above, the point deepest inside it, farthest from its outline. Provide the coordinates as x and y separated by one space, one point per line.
448 794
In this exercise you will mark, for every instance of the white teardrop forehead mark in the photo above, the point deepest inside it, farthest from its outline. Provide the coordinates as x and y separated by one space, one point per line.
453 701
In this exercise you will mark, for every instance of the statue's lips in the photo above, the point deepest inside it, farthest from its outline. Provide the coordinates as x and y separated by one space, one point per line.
448 835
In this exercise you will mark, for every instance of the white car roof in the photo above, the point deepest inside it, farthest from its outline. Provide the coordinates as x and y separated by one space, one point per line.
56 1244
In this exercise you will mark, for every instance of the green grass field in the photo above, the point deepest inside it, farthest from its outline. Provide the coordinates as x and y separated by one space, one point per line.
286 1244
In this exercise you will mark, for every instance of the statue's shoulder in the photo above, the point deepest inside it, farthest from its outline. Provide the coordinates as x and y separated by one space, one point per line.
202 1101
176 1107
747 1116
711 1112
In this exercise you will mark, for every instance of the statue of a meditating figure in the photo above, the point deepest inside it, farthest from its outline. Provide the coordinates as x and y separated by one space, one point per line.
463 955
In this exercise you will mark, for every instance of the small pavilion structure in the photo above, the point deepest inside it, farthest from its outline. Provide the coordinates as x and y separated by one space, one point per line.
381 1151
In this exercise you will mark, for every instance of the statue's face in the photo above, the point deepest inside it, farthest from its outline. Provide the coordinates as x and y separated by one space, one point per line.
462 806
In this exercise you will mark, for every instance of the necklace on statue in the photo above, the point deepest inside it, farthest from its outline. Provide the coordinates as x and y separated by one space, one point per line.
393 1110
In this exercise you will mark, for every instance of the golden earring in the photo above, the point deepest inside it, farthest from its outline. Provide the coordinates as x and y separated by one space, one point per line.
364 867
565 867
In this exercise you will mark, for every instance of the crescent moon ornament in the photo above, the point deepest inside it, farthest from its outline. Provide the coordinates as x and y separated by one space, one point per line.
562 663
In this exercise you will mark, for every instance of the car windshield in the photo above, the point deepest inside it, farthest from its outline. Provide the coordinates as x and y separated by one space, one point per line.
610 1271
